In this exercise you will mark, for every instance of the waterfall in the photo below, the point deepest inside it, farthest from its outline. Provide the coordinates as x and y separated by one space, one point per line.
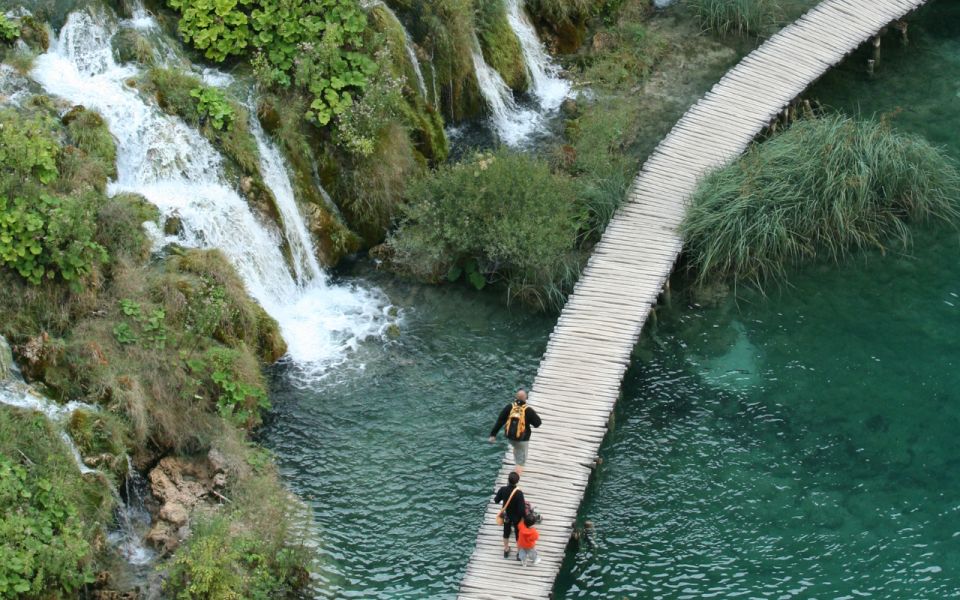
274 171
549 88
408 44
182 174
512 123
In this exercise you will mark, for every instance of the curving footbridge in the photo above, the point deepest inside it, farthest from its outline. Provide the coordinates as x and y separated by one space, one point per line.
589 350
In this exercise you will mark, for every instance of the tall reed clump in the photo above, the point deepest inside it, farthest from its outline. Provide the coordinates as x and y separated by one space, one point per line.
821 189
738 17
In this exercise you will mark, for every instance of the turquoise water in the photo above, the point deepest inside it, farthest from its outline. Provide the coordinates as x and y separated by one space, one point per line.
806 444
394 457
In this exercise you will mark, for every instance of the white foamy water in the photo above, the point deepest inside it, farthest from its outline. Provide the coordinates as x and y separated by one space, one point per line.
179 171
20 395
512 123
545 82
408 43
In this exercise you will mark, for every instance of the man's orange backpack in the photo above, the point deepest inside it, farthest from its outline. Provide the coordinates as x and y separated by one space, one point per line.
516 422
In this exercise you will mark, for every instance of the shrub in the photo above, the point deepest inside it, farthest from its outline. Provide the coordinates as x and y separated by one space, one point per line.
28 150
212 107
45 237
825 186
9 30
51 512
42 546
738 17
314 44
506 212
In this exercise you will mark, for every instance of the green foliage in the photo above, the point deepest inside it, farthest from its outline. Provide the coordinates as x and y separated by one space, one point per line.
28 150
220 28
236 385
314 44
42 544
89 133
46 237
359 128
629 53
823 187
220 563
9 30
737 17
150 325
213 106
506 211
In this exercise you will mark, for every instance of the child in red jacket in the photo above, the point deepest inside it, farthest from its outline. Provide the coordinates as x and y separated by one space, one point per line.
527 541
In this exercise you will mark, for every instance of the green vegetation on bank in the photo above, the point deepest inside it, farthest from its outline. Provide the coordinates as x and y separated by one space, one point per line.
169 350
51 513
822 188
495 216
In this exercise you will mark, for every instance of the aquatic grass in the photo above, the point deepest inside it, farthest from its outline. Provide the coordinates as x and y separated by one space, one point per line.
822 189
737 17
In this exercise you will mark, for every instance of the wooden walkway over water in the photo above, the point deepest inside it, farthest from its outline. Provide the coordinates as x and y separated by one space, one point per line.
579 378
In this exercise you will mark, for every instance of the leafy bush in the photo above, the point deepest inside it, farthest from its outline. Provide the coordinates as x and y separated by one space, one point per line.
9 30
506 211
45 237
212 106
220 562
28 150
235 384
739 17
823 187
220 28
313 44
42 543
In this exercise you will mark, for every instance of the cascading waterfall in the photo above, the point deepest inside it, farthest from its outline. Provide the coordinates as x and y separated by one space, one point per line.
128 537
513 123
180 172
408 44
545 82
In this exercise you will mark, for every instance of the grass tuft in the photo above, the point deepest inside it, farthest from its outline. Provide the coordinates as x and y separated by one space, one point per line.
821 189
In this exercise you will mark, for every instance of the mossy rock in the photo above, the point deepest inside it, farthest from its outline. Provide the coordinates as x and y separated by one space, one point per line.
89 132
500 45
34 33
130 46
101 439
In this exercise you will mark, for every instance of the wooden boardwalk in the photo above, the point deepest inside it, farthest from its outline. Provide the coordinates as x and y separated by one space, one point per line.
589 350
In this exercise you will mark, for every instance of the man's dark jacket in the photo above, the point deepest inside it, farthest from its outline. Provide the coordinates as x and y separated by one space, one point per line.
516 508
533 420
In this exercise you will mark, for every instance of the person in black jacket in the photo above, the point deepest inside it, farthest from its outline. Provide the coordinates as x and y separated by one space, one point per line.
519 444
514 507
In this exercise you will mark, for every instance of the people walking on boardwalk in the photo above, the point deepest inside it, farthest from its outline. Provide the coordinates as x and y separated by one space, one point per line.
527 537
513 510
517 419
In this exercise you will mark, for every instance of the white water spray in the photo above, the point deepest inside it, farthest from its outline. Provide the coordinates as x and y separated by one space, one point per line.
513 123
545 82
179 171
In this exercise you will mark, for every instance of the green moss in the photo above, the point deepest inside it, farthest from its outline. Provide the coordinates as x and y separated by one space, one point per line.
101 437
130 46
88 133
500 45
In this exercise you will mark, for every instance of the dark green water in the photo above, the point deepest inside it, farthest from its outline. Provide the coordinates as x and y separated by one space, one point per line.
808 444
394 458
801 445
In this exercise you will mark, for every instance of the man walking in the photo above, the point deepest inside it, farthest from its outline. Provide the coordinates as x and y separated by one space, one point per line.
517 419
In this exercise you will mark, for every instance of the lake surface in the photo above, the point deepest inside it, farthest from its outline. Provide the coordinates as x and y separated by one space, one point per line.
803 444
